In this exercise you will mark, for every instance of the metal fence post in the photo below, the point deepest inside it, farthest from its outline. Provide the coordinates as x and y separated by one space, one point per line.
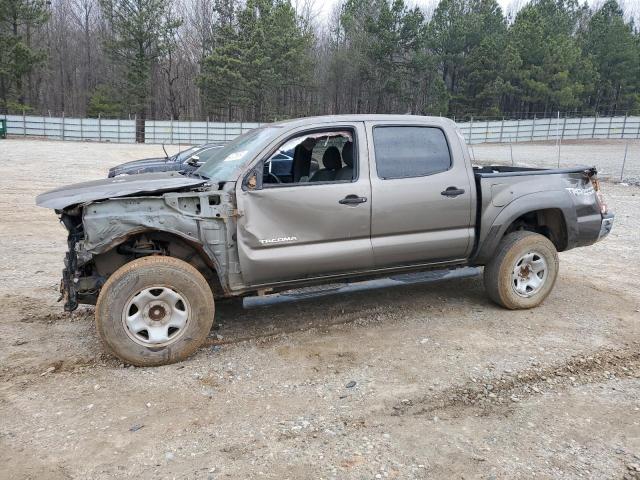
24 124
486 132
44 126
207 134
579 127
609 129
81 130
517 130
99 127
62 126
595 122
624 125
471 132
118 130
501 129
171 130
511 149
533 127
564 124
624 160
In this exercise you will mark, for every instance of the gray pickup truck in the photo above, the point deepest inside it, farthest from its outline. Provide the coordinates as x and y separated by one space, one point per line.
364 196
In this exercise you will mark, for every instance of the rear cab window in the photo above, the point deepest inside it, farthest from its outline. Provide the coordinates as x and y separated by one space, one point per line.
408 151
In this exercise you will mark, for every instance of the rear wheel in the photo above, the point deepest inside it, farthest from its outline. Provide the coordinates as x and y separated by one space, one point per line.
154 310
523 271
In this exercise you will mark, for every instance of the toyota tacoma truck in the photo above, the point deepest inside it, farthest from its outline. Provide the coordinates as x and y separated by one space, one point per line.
364 196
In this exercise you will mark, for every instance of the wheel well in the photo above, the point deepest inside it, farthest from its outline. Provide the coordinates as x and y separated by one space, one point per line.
549 222
159 243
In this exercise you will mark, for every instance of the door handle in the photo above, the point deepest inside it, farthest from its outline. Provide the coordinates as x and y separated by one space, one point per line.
352 200
452 192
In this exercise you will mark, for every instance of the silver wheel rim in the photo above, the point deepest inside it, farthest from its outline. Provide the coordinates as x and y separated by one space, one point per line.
156 316
529 274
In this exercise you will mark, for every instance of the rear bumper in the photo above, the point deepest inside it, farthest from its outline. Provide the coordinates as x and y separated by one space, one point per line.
606 225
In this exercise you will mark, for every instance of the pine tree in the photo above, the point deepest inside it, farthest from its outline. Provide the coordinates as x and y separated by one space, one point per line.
18 57
263 60
139 29
554 73
468 37
613 48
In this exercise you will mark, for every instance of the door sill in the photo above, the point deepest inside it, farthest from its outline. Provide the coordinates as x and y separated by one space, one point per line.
361 275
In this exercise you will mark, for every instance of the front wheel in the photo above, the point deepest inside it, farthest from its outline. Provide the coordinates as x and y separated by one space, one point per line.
523 271
154 311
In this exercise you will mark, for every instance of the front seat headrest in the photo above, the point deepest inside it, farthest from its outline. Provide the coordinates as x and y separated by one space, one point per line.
331 159
347 154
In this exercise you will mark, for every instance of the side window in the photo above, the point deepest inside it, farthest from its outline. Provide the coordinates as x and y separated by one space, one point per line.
312 157
408 151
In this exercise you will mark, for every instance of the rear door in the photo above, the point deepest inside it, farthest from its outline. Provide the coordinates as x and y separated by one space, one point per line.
291 231
421 194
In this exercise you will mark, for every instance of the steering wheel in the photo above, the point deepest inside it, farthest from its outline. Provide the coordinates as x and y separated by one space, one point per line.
271 175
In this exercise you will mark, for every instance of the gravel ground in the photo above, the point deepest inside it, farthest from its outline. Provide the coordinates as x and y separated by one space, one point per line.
416 381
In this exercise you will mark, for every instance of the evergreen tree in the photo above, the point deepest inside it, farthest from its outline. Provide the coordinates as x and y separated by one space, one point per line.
379 63
18 57
259 65
613 48
468 37
554 74
139 29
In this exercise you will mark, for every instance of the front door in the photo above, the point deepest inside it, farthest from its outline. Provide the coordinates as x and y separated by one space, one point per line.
422 195
318 225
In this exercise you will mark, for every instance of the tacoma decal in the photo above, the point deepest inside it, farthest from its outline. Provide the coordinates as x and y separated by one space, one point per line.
267 241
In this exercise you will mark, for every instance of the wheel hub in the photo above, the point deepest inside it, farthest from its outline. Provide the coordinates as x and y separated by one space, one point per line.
529 274
157 311
156 316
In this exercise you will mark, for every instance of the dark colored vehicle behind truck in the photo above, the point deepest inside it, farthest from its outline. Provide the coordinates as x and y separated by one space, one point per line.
389 194
187 160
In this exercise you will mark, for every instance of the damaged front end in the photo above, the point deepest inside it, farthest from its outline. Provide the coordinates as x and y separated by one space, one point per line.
79 284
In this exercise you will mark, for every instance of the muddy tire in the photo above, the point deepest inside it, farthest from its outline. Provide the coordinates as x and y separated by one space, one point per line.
523 271
154 311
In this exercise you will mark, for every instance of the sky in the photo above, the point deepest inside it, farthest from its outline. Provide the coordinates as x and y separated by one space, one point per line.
325 7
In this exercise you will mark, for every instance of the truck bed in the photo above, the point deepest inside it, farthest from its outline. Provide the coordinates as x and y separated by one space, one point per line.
489 171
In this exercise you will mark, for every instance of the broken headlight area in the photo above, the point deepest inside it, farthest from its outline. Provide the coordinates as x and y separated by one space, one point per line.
79 282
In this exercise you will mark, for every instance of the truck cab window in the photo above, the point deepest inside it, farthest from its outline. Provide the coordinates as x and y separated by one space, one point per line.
410 151
313 157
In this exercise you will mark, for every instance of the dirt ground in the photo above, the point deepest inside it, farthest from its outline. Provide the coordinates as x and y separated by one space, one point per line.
447 385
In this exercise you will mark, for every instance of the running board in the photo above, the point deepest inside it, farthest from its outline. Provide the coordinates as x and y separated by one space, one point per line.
415 278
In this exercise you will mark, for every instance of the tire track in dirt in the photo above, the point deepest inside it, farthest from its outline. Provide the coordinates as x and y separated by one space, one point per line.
492 393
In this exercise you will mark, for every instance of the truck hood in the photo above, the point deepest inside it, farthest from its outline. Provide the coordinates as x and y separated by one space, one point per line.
66 196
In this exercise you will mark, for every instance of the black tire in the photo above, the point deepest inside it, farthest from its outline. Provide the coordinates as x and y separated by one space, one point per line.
499 272
153 274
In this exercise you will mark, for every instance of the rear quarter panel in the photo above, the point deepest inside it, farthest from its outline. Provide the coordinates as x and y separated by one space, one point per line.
505 198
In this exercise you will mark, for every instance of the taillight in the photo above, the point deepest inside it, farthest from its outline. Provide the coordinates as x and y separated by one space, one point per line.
596 186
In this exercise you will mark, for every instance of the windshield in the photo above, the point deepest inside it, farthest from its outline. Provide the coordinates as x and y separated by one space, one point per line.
224 161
